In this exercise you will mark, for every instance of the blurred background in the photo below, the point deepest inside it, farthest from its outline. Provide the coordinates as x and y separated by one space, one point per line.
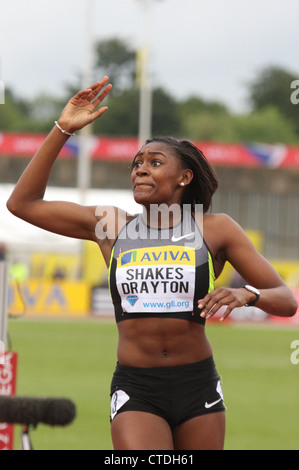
222 74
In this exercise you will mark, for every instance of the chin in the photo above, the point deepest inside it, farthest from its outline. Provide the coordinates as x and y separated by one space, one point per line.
141 199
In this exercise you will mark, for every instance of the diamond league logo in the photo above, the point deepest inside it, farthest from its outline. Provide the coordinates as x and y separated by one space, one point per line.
132 299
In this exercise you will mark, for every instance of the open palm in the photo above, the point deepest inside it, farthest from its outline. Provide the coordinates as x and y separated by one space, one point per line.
82 108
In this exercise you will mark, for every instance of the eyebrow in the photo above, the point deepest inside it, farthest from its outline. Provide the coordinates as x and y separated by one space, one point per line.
151 152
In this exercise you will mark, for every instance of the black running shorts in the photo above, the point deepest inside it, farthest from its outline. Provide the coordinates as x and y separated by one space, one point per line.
176 394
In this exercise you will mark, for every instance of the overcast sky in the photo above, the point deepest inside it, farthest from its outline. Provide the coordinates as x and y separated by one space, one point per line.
210 48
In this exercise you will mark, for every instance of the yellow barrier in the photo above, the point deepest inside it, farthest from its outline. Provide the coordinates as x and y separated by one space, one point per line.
49 298
54 265
288 271
90 266
94 269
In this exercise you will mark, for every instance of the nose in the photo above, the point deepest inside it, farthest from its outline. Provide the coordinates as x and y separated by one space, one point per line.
142 170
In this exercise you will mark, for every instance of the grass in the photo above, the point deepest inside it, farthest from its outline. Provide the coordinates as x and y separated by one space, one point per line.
76 359
73 360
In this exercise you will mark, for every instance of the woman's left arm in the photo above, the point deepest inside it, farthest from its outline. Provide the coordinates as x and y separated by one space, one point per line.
236 248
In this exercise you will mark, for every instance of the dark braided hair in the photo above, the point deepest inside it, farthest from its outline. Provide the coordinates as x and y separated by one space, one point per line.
204 182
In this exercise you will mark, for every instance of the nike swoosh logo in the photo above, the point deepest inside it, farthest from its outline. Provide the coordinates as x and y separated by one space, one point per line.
177 239
210 405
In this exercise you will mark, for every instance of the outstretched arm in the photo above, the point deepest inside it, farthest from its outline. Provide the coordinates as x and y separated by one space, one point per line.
26 200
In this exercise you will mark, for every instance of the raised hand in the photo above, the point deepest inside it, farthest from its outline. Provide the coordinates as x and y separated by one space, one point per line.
82 110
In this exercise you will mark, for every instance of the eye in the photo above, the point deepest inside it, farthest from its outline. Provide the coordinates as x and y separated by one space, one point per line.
156 163
137 164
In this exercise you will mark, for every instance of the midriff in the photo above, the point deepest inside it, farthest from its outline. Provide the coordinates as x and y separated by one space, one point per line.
161 342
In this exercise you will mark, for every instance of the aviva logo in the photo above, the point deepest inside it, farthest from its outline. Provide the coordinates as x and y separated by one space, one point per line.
157 255
128 257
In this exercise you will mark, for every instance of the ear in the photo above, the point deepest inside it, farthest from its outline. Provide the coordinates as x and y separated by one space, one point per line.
186 178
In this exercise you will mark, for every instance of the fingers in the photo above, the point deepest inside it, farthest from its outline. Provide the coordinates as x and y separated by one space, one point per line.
90 93
102 95
97 87
216 300
98 113
83 94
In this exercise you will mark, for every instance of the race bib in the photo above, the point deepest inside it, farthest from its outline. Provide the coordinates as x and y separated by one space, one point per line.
156 279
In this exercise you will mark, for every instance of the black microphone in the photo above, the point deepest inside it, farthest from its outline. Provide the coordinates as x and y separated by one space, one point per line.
32 411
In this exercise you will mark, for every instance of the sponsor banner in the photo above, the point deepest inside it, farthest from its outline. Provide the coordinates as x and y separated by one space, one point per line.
49 298
124 149
25 145
101 148
8 373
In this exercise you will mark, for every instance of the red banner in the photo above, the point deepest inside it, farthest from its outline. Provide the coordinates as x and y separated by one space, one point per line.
8 374
124 149
22 145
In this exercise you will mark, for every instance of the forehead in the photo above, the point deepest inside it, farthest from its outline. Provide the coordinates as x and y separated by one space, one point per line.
157 147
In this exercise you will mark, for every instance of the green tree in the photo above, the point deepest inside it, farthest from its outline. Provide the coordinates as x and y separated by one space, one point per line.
272 87
44 109
266 125
205 120
202 120
116 58
165 116
14 113
196 104
121 119
209 127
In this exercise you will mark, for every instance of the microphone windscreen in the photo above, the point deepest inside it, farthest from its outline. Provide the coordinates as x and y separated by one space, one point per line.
32 411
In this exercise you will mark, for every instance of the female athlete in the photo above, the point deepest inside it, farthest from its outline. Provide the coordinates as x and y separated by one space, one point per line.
165 393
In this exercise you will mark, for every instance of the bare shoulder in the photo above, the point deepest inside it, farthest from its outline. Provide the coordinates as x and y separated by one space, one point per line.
217 220
111 220
221 225
221 232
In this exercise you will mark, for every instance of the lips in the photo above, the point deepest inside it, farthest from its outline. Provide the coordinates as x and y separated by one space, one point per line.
142 185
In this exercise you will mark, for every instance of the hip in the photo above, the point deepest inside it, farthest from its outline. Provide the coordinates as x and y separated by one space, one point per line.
175 393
